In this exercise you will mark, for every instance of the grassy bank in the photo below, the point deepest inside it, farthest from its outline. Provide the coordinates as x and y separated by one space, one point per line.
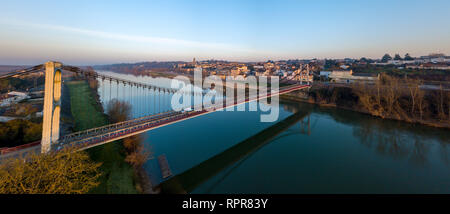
117 176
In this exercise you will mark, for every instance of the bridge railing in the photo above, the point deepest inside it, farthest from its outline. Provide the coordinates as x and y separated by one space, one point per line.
109 127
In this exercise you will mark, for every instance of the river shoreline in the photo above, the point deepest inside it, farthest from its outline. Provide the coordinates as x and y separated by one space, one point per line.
118 177
329 105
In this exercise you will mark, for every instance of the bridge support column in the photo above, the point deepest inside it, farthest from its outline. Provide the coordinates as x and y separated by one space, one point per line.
52 105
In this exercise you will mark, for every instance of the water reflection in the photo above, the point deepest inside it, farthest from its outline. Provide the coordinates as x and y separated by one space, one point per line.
234 156
396 139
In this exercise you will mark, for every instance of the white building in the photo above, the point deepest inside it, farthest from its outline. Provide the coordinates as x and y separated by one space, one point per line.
325 74
5 119
16 93
348 77
344 66
14 97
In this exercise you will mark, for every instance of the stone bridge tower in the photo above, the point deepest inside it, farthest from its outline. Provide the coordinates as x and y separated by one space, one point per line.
52 105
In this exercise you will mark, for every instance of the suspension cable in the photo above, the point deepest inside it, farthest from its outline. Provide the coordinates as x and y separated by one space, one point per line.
110 91
159 101
154 100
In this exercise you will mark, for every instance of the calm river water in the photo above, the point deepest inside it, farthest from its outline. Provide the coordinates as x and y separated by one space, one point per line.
310 149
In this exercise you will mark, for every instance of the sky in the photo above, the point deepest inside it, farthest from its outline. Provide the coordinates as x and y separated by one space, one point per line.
101 32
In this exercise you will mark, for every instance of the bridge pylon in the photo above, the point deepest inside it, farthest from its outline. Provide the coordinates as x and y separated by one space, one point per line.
52 105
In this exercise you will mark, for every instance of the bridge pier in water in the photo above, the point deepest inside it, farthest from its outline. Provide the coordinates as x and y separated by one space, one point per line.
52 105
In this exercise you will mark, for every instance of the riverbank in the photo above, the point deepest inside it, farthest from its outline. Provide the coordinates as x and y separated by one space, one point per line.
352 106
118 177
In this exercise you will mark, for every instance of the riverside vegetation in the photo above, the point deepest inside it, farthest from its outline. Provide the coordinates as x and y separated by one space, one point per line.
389 98
65 172
123 159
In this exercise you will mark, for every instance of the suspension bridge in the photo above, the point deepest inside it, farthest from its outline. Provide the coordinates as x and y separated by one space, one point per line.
153 117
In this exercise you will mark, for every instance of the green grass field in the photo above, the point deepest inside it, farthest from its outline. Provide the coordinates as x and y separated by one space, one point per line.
117 176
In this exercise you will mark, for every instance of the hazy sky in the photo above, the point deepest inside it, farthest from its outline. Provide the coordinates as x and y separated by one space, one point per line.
97 32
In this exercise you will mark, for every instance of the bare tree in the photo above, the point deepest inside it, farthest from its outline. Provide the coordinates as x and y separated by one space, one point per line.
391 94
118 111
441 111
420 102
365 97
448 105
378 98
413 86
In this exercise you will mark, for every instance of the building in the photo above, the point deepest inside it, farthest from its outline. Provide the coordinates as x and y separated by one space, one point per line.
5 119
13 97
347 76
337 75
239 70
430 66
269 65
344 66
325 74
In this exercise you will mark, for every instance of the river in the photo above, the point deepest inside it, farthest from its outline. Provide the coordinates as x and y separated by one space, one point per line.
310 149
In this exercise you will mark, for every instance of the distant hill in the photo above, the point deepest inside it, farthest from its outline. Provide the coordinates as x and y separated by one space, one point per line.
139 67
9 68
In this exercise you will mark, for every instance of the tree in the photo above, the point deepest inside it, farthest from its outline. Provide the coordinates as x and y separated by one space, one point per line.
23 109
329 64
421 102
65 172
93 82
413 86
137 154
386 58
19 132
408 57
364 97
397 57
448 105
391 94
440 98
118 111
380 110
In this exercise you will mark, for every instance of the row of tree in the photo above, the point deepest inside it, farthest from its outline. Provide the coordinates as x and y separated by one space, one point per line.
136 153
388 57
404 99
22 84
391 97
18 132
